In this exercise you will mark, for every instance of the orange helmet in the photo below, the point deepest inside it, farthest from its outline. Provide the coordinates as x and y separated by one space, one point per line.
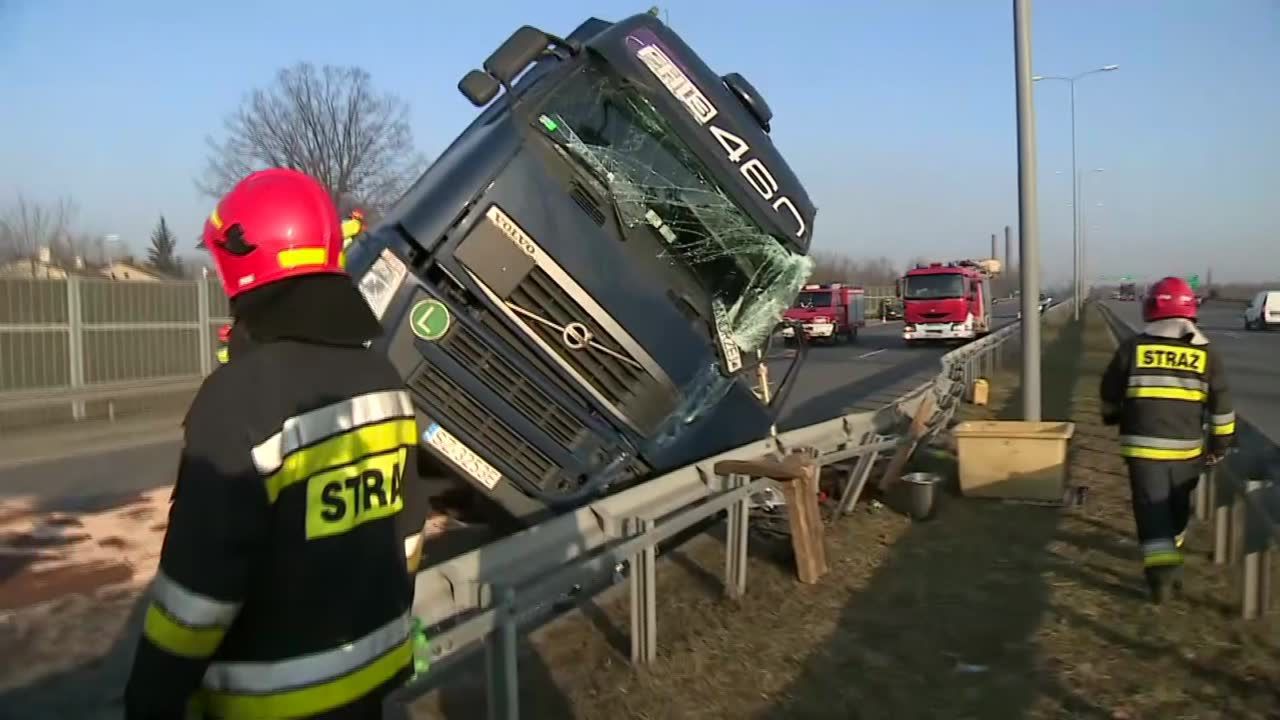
273 225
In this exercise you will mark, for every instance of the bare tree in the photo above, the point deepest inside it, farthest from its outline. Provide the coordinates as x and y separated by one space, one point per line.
329 123
27 227
838 267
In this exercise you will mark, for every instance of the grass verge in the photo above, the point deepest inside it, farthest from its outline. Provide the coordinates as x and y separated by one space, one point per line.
990 611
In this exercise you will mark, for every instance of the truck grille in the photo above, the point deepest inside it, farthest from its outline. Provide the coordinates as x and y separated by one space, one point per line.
460 410
609 368
473 353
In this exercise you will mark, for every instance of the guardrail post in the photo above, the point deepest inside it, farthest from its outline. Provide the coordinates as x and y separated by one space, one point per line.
1256 600
644 598
75 343
857 480
1239 516
1221 518
500 657
204 344
1203 494
736 539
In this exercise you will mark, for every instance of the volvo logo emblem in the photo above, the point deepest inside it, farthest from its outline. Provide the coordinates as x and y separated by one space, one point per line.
575 336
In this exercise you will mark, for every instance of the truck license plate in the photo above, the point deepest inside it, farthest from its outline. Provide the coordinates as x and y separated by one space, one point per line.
462 456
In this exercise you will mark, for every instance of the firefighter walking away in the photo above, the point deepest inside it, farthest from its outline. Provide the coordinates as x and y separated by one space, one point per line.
282 590
1163 388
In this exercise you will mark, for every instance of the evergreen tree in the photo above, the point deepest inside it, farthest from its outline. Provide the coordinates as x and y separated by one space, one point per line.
162 255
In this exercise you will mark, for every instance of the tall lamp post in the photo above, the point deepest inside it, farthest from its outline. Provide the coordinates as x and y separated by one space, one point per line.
1075 194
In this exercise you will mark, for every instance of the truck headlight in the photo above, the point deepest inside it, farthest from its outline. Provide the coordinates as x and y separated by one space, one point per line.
380 283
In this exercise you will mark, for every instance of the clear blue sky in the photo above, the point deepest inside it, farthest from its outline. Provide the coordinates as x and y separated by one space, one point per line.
898 114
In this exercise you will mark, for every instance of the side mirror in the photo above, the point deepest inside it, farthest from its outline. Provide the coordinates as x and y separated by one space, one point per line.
513 56
478 87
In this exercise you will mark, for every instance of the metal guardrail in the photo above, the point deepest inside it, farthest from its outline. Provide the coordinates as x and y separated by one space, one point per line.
1241 500
481 599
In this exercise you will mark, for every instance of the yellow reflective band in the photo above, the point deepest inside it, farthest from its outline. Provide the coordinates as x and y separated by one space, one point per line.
177 639
315 699
224 355
342 257
1146 453
1162 558
350 228
345 498
1167 393
215 220
299 257
1227 429
341 450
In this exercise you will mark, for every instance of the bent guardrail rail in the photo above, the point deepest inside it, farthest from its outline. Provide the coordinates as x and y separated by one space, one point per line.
1240 498
480 599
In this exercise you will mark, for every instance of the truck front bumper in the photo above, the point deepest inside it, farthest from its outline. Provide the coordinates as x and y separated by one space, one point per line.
937 331
812 330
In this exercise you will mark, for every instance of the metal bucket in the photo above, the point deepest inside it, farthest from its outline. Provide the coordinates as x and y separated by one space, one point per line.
924 489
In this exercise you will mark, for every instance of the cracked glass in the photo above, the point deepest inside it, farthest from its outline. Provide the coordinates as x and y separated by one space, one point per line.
654 180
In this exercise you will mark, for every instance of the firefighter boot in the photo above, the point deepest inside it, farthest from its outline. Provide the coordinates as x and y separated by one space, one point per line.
1164 582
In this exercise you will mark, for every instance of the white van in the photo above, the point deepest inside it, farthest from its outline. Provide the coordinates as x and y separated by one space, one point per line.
1263 312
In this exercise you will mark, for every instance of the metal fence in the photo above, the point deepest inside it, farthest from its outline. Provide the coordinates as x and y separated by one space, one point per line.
479 601
79 333
82 332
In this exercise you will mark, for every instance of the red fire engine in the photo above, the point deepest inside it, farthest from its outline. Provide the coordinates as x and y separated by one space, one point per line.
832 313
947 301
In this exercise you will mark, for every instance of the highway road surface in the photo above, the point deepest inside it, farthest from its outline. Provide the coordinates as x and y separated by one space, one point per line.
862 375
1252 360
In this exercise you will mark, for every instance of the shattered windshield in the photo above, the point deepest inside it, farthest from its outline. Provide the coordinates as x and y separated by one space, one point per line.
934 287
654 179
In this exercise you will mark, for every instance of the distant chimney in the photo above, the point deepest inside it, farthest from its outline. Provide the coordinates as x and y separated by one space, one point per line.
44 256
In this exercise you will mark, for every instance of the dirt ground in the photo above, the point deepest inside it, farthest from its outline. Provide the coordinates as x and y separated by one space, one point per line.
989 611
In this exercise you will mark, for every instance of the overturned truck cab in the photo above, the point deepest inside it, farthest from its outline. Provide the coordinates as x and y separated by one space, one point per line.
577 288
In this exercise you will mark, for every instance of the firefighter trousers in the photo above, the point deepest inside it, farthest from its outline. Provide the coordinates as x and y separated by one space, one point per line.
1161 492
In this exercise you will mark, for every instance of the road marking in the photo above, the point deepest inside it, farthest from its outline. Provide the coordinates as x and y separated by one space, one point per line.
873 352
1231 335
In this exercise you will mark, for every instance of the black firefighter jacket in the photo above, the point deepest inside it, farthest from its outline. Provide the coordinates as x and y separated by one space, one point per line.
282 590
1163 387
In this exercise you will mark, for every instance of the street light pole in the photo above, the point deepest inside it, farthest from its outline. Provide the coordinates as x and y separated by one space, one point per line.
1075 190
1028 223
1084 235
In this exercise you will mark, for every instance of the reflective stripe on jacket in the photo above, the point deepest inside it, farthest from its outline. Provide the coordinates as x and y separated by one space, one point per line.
282 590
1165 391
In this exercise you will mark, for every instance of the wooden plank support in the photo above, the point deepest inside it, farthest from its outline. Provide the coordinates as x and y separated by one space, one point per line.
798 478
907 445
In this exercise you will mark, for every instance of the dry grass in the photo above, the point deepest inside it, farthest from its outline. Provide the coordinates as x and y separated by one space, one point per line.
990 611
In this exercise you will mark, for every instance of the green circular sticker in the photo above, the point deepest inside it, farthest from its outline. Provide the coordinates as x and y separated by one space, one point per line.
429 319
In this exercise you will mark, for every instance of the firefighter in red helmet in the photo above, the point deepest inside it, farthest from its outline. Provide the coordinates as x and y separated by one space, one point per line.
281 590
1164 387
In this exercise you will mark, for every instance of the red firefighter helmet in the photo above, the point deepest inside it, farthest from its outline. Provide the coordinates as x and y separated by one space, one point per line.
273 225
1171 297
